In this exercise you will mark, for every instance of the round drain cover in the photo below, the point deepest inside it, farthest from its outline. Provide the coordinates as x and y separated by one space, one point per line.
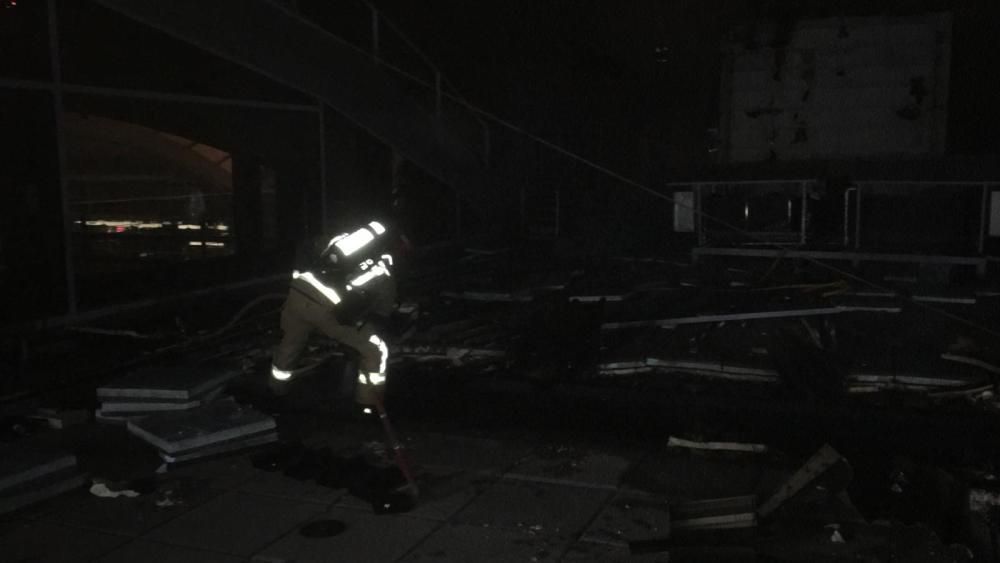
322 528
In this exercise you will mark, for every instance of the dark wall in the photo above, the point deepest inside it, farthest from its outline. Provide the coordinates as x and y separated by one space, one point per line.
24 41
32 275
103 48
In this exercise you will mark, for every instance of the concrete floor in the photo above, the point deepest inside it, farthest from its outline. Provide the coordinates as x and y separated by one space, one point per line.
486 495
483 499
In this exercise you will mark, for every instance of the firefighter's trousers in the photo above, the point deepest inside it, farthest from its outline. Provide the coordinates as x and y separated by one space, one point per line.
301 316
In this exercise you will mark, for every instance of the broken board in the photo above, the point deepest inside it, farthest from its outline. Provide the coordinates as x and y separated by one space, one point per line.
49 488
143 407
817 465
230 446
174 432
20 465
179 383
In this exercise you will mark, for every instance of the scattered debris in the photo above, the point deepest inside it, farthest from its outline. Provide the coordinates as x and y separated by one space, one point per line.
59 419
713 522
714 514
487 296
959 358
674 442
210 430
162 389
29 475
816 466
748 316
166 499
100 489
180 383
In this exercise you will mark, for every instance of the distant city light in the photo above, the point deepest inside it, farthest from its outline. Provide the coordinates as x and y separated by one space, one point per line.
149 225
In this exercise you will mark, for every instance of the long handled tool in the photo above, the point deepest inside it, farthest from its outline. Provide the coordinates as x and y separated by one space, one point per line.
398 452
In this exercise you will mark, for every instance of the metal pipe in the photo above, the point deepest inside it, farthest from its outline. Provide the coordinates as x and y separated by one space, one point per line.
847 215
524 222
983 218
697 216
486 143
375 38
57 108
558 210
857 218
149 95
437 92
458 215
802 215
324 208
749 182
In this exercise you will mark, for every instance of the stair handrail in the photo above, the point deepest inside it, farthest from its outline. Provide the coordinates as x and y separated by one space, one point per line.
439 76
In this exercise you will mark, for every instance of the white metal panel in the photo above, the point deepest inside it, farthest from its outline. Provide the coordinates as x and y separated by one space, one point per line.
846 88
994 214
684 212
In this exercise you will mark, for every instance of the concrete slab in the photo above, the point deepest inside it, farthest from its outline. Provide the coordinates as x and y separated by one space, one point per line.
54 543
211 424
22 464
573 465
223 448
155 552
443 492
179 383
487 545
368 538
280 485
236 523
131 408
49 487
542 508
628 518
129 516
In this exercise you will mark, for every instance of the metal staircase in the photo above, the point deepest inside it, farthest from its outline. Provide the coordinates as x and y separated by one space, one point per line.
434 131
540 213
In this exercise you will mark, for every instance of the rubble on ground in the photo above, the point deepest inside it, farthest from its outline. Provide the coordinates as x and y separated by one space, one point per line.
217 428
31 474
161 389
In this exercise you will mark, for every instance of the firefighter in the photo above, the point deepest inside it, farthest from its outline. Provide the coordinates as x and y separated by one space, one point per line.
347 293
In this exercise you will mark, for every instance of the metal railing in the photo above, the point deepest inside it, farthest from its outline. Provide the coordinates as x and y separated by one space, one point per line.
377 43
797 188
976 194
934 221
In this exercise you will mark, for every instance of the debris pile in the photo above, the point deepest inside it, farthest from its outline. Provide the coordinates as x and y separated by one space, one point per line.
220 427
456 343
810 516
182 412
161 389
630 319
29 475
